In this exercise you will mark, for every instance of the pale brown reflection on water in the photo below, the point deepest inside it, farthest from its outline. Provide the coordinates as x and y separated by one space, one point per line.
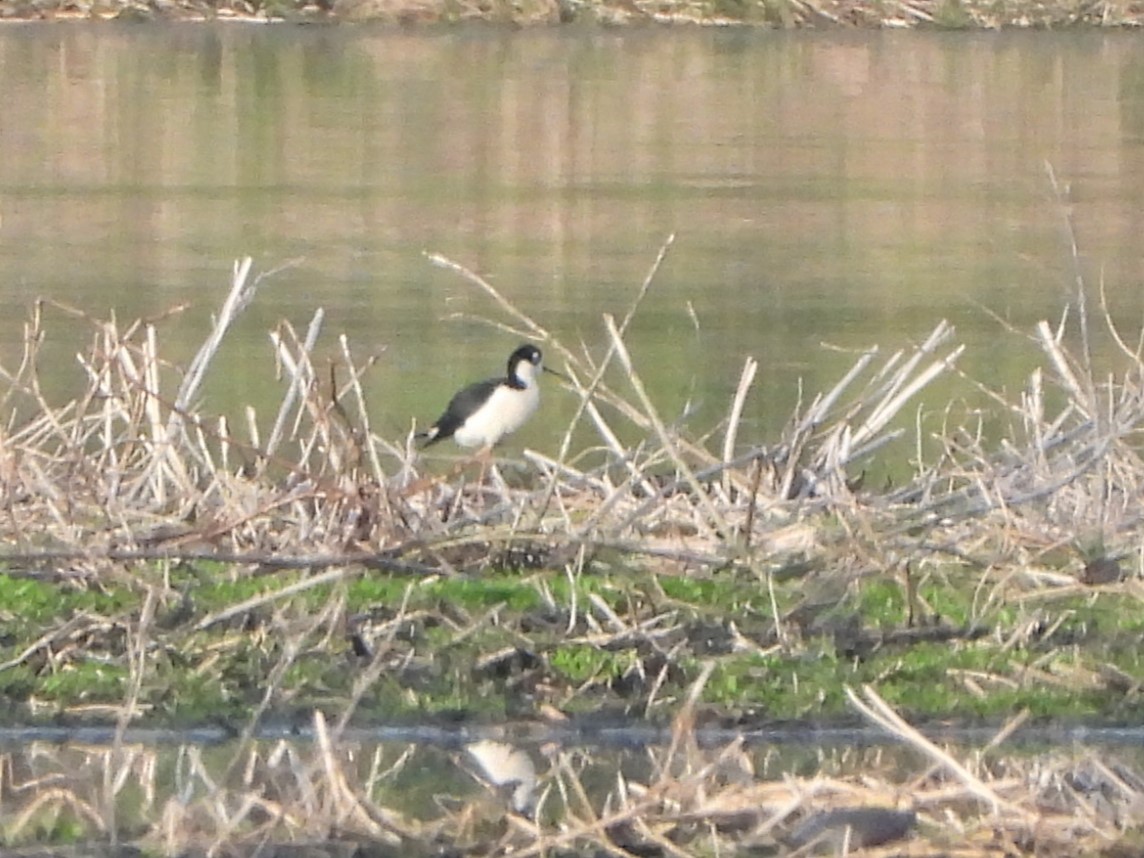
847 189
190 799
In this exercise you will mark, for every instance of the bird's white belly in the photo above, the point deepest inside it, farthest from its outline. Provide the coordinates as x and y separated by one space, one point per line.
504 412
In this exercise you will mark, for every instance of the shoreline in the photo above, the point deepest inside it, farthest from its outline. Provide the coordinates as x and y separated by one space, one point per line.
944 15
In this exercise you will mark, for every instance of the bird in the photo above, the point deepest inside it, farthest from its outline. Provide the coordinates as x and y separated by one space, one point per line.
483 413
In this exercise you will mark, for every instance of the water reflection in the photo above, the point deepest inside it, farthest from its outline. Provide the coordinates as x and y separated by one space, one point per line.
169 798
846 189
505 765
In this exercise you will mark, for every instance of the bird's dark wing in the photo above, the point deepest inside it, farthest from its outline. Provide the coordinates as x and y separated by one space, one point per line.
464 403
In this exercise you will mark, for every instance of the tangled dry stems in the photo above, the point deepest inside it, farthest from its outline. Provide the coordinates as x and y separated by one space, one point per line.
131 472
328 795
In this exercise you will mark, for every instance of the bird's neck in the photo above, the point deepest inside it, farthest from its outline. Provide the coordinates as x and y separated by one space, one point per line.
523 378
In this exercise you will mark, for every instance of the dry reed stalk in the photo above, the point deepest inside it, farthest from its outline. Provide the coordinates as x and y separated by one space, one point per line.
746 379
349 812
370 441
301 376
665 438
875 708
54 797
588 391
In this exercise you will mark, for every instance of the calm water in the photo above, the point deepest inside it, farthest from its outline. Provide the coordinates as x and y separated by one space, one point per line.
176 779
840 189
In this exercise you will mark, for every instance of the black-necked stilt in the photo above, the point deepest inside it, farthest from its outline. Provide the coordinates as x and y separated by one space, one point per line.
481 414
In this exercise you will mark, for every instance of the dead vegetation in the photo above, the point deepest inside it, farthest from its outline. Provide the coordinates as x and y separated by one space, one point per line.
780 14
130 470
129 478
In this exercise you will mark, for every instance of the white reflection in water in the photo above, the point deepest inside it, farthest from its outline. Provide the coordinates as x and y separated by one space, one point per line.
502 765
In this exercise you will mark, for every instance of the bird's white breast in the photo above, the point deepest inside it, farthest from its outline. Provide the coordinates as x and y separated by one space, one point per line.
504 412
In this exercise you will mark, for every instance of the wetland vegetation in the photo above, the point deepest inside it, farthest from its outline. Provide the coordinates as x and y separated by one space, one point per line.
781 14
162 566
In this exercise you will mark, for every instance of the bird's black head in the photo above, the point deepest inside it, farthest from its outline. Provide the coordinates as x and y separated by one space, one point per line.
526 352
524 363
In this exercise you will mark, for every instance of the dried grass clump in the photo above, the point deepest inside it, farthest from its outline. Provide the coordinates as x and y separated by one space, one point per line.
1065 477
131 469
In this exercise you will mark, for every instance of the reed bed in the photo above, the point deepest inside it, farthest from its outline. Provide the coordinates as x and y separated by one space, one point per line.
130 470
130 481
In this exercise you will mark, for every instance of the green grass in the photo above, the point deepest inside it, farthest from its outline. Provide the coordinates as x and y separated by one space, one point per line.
580 663
28 600
85 682
491 646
